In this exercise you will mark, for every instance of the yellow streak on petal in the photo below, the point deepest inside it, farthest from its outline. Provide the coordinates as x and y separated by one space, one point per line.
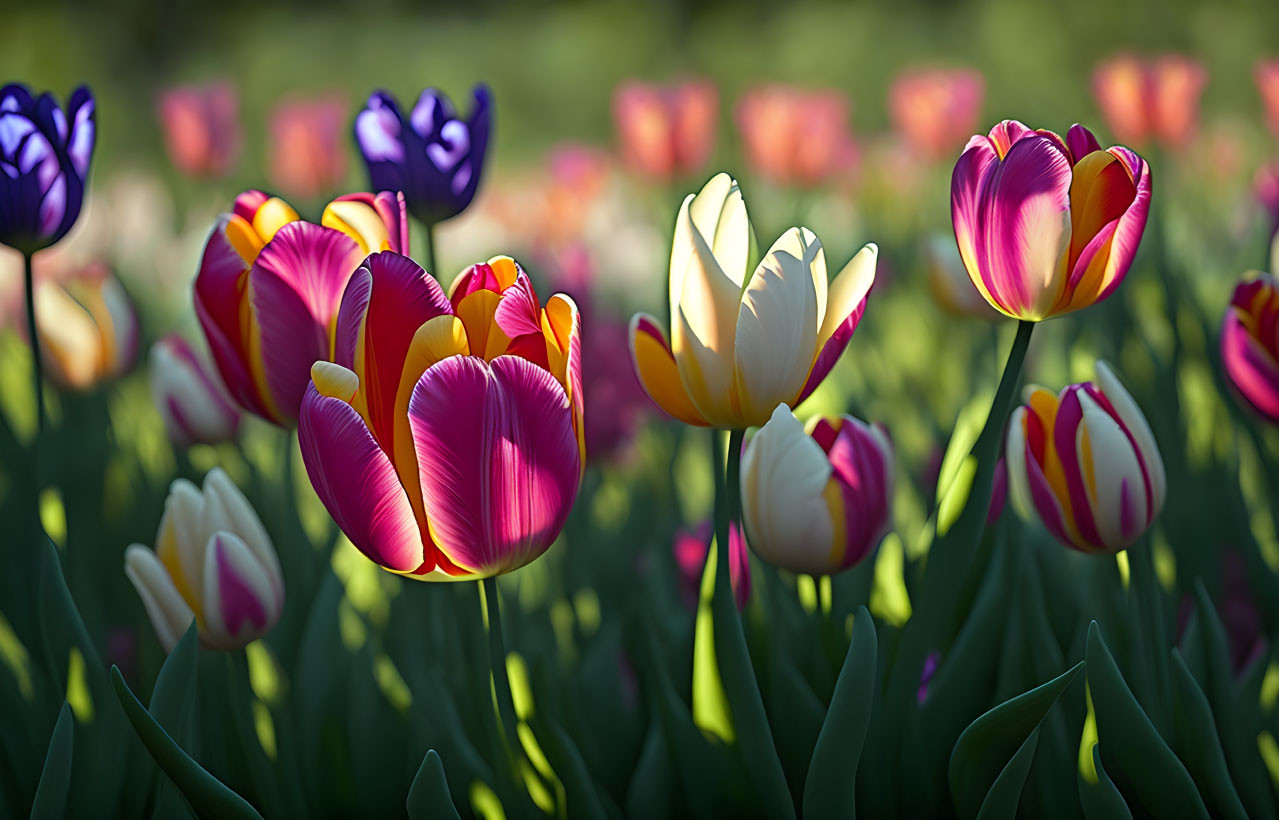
166 549
476 311
243 238
834 496
250 328
660 378
505 269
360 222
274 214
1086 465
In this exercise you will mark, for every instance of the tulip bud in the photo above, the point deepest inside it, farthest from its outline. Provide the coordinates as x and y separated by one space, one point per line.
1250 345
1086 462
87 325
201 128
308 146
194 408
816 503
213 562
666 132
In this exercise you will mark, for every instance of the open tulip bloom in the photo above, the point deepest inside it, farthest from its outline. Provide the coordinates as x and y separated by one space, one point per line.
1047 226
740 345
269 285
1250 345
1085 461
445 437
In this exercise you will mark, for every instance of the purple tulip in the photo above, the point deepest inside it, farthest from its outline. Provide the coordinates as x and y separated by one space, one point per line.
433 156
44 152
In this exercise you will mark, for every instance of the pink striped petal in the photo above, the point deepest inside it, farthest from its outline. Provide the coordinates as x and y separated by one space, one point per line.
391 208
832 350
1081 142
860 463
357 483
1253 371
1066 429
498 459
295 287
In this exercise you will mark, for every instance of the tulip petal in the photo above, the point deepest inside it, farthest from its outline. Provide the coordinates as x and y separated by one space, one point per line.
240 604
862 466
657 372
169 613
1113 476
1138 430
226 508
1252 369
848 295
498 459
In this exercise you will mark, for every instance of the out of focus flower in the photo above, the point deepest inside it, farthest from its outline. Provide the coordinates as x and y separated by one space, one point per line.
44 153
666 131
999 486
269 285
796 137
201 128
433 156
1047 226
1266 186
1085 463
1267 75
193 405
936 110
214 563
88 328
926 676
949 283
446 440
1155 100
308 156
690 550
817 502
1250 344
740 346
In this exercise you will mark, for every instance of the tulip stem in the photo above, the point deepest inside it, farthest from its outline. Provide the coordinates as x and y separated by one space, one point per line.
37 363
497 659
432 268
727 508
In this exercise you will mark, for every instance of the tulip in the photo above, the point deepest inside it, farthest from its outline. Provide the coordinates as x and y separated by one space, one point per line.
214 563
445 437
1086 462
88 328
307 156
819 502
796 137
1250 345
1145 100
948 281
201 128
433 156
936 109
44 152
666 132
1265 184
1047 226
194 408
740 347
269 285
690 550
1267 76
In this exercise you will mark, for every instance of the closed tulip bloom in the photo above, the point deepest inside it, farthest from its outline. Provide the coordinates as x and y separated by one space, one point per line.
1150 100
666 131
1085 463
269 285
819 502
936 110
201 128
214 563
1250 345
433 156
446 438
1266 73
308 156
44 153
1047 226
191 402
740 345
88 327
796 137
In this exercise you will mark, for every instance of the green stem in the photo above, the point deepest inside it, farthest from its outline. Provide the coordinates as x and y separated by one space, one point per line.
429 233
497 660
728 502
37 363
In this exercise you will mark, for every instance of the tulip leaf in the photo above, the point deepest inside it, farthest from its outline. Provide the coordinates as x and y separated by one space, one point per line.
1200 745
55 780
830 788
583 799
985 749
651 792
429 797
1005 793
1101 800
206 794
175 686
1158 778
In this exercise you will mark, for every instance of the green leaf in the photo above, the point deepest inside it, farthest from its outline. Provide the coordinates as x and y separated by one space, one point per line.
1005 793
206 794
174 691
1101 800
651 792
583 799
1200 745
55 780
1158 778
984 750
830 788
429 797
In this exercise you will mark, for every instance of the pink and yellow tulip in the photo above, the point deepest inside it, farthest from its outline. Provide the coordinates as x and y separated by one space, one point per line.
1155 100
666 132
796 137
1047 226
740 345
88 327
269 285
1250 345
445 438
935 110
1266 73
818 502
1086 464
